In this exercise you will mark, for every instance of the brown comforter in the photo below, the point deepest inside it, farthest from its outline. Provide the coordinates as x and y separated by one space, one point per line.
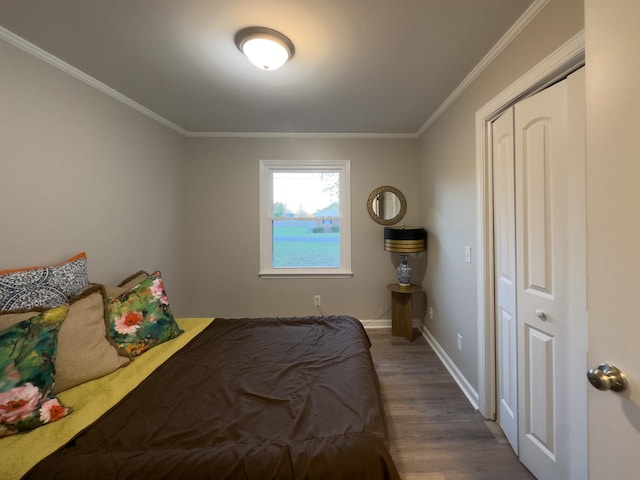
255 399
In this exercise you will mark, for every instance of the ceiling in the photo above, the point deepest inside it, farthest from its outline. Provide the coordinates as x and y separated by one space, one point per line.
360 66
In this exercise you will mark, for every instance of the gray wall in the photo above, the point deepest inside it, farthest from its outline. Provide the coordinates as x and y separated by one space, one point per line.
80 171
223 226
448 180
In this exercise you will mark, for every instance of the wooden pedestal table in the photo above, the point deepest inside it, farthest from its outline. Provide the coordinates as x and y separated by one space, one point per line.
402 309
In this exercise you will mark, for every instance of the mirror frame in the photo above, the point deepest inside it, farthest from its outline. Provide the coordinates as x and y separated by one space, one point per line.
403 205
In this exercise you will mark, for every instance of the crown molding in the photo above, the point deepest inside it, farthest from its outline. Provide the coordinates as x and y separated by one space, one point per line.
301 135
41 54
534 9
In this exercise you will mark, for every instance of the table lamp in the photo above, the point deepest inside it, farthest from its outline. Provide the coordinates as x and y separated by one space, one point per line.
404 240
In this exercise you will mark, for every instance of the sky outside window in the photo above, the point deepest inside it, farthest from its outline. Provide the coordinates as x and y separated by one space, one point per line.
305 191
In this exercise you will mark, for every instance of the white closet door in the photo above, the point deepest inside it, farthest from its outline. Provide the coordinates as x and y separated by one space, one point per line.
550 277
505 276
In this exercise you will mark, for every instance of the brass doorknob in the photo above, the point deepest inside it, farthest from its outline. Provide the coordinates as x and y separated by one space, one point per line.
607 377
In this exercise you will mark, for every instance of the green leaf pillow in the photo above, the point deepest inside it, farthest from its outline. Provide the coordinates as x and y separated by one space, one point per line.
141 318
27 373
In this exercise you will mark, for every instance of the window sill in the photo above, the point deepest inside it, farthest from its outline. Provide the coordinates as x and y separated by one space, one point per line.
299 274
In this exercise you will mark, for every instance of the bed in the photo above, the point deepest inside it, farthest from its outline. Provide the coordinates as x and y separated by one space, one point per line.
103 382
279 398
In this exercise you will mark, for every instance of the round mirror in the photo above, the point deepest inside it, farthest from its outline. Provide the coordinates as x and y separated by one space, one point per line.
386 205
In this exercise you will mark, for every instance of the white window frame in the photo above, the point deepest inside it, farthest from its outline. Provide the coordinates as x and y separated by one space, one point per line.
267 168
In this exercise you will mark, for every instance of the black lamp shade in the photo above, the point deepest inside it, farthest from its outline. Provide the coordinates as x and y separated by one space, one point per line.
404 239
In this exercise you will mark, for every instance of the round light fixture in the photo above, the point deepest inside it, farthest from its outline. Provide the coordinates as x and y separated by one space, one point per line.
266 48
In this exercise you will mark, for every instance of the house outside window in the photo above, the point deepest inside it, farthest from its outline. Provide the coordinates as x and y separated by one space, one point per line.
305 225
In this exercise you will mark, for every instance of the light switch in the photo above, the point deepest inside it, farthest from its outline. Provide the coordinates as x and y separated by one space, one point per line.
467 254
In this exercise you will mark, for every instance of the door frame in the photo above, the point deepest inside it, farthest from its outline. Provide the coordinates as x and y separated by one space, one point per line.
564 60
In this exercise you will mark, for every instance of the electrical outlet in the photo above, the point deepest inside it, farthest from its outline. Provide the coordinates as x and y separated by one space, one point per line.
316 300
459 342
430 313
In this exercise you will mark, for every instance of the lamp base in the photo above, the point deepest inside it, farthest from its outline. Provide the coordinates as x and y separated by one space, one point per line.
404 272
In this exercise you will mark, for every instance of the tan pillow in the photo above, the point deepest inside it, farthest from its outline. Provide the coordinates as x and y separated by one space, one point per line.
10 318
84 350
125 285
133 280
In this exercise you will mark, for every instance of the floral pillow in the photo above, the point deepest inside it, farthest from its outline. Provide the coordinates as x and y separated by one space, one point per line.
27 354
141 318
48 287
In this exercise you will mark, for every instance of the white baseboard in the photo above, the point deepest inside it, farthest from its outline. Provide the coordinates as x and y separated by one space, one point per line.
465 386
377 323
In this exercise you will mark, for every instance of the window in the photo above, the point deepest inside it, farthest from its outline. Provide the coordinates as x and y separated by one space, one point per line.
305 227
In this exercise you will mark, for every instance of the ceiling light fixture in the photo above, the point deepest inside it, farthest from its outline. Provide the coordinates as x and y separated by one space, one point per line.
266 48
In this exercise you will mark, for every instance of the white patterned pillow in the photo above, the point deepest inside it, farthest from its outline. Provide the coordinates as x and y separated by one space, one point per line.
31 287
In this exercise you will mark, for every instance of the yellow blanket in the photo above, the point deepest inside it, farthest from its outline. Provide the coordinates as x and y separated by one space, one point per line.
18 453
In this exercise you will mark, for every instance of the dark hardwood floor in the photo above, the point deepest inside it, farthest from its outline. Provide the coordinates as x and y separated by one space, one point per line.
435 432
